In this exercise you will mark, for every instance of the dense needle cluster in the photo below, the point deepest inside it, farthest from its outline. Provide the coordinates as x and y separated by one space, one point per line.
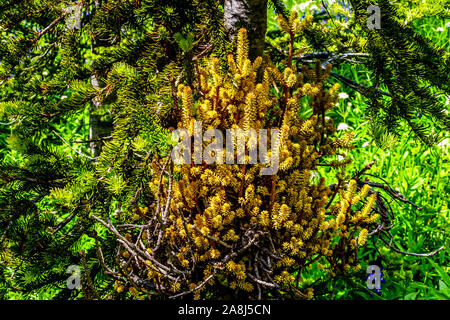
224 229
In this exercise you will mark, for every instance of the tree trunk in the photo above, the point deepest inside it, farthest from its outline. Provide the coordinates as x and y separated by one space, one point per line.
251 15
97 128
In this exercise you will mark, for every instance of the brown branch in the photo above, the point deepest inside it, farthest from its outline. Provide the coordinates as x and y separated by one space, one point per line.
261 282
92 140
66 221
194 289
50 26
101 258
394 193
367 167
75 150
430 254
52 183
212 238
132 248
88 282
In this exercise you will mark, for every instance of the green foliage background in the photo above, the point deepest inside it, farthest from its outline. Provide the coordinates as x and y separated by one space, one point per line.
418 171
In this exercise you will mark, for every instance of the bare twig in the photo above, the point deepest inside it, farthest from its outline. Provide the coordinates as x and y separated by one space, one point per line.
90 286
6 123
108 271
51 25
141 254
211 237
53 183
76 151
5 232
261 282
93 140
394 193
66 221
355 85
430 254
196 288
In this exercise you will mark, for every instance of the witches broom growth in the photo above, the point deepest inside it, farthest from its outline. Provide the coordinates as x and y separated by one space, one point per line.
225 230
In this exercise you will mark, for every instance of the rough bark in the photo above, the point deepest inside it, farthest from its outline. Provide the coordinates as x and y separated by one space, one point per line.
250 14
97 127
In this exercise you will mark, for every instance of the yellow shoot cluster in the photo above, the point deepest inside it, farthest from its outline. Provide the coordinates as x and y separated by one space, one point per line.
293 25
362 237
213 207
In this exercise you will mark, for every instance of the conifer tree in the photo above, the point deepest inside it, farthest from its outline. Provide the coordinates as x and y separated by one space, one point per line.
138 70
249 14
